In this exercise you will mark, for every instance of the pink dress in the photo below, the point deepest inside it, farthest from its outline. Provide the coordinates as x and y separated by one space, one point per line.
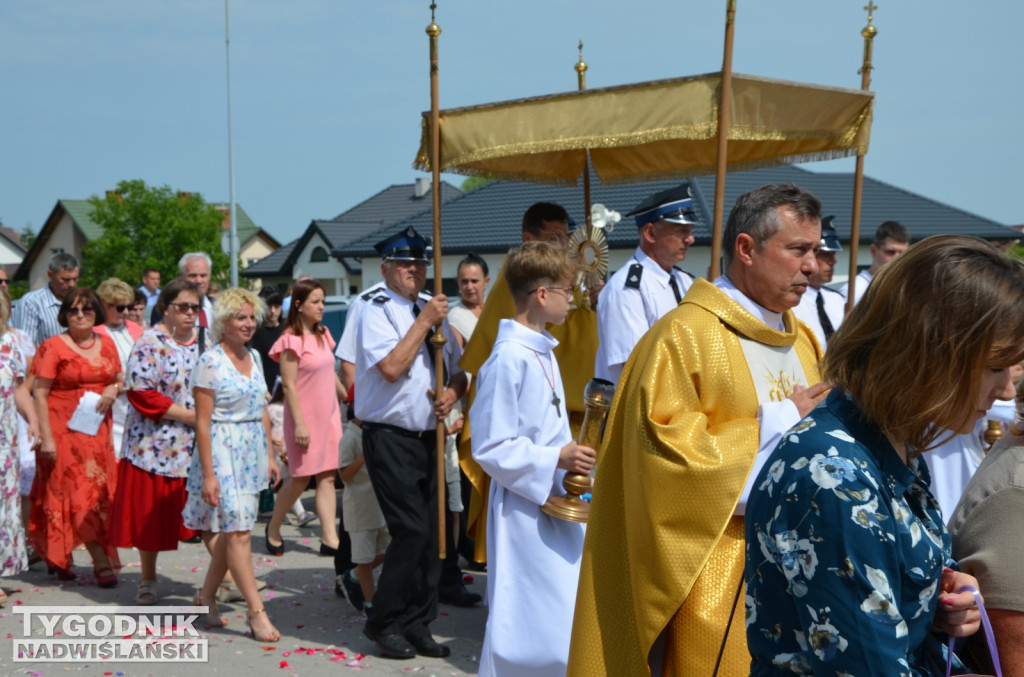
318 401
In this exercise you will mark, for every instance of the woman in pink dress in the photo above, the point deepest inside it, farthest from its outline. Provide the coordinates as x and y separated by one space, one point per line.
312 416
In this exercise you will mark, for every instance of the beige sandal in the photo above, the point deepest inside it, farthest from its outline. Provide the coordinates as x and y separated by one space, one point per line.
271 635
3 598
213 618
146 594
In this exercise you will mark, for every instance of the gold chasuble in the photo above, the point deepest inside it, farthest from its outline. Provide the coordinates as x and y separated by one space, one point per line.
664 551
576 351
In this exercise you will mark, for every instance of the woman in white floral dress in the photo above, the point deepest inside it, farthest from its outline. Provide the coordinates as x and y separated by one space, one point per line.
233 460
14 397
849 568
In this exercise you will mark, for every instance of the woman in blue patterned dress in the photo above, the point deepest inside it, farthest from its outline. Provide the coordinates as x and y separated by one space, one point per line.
848 568
233 460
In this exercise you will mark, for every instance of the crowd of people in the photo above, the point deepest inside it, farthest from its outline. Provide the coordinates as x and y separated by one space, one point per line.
771 496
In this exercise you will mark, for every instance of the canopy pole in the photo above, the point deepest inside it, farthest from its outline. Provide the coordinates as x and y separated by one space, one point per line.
581 84
438 340
868 32
724 102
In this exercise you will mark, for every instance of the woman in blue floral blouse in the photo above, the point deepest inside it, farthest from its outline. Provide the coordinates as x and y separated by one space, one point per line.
848 566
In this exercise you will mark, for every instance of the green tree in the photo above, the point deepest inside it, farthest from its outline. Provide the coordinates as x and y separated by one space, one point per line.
473 182
28 236
150 227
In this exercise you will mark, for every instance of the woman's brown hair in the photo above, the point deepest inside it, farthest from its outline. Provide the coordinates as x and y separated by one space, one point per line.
301 292
912 351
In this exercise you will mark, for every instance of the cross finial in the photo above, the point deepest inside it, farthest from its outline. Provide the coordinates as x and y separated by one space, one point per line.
433 6
870 7
581 50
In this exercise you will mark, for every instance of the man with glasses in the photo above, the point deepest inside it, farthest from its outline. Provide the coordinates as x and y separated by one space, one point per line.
36 313
576 350
395 381
649 285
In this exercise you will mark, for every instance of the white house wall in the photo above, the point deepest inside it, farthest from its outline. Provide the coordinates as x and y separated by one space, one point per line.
64 238
330 273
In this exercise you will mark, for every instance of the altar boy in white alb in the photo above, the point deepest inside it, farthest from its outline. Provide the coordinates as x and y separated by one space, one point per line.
521 439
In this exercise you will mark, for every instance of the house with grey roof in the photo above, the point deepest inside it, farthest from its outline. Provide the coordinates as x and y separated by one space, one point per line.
310 253
488 220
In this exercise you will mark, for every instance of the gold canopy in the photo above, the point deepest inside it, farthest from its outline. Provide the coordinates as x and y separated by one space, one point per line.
649 131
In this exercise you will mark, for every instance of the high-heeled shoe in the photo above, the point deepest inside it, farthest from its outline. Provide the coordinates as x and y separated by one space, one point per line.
213 617
275 550
271 635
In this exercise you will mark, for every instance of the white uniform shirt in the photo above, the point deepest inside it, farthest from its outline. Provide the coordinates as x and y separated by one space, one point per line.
346 348
863 280
383 322
625 313
807 310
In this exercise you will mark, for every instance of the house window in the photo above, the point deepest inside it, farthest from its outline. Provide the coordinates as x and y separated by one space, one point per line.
318 255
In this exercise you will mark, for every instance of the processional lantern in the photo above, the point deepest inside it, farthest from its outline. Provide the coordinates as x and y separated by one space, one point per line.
572 507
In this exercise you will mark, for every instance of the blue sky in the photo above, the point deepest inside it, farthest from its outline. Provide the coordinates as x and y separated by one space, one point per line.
327 94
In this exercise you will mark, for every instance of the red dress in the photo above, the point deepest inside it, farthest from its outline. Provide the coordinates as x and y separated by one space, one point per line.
72 497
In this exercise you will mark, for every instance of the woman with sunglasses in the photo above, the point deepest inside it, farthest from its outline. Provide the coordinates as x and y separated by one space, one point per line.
76 472
159 437
117 298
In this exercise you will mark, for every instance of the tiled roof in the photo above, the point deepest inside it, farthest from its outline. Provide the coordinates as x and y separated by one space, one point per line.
80 212
246 228
389 206
394 203
489 218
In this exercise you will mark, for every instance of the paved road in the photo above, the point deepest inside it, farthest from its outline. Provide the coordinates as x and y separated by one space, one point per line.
322 634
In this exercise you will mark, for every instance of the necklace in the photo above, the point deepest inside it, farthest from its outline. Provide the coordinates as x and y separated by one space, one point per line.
81 345
551 381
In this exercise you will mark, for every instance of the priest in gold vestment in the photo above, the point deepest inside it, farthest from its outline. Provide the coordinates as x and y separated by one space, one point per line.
577 347
703 399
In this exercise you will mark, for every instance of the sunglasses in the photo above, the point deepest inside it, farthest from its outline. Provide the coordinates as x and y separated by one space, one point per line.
4 281
81 311
123 308
187 307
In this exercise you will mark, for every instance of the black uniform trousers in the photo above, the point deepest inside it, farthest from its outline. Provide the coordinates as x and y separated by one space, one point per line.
403 469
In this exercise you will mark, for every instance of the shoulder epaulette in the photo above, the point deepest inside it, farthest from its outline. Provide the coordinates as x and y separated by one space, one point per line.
636 271
369 295
834 291
381 299
425 294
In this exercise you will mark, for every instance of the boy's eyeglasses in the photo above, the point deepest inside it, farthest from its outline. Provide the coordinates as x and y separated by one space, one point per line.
565 290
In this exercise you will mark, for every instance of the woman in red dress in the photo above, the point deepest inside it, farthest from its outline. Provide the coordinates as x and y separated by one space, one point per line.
76 472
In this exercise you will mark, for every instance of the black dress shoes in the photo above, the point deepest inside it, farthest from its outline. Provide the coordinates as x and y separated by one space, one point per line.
458 595
392 645
428 646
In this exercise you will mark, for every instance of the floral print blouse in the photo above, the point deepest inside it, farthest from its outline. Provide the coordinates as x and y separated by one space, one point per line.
845 549
161 364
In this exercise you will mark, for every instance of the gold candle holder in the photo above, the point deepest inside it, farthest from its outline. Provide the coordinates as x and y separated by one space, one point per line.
598 400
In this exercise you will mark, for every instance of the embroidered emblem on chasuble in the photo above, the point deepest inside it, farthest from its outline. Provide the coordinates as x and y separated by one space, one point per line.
775 370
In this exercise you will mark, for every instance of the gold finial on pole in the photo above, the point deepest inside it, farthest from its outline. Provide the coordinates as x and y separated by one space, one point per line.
438 340
581 70
868 32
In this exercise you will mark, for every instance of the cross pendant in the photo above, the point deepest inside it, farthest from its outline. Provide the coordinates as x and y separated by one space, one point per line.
555 402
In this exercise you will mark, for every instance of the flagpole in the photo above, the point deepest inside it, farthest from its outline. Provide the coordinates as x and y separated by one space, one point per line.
868 32
581 83
232 225
438 340
724 102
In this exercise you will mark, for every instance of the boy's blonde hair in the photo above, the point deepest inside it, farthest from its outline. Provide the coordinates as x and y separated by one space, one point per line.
536 264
